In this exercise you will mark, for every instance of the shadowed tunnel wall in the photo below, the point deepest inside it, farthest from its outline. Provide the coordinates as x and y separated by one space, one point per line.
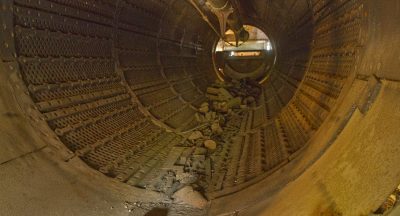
115 85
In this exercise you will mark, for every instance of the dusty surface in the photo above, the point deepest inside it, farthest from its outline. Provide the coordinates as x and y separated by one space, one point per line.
37 181
48 188
343 179
325 143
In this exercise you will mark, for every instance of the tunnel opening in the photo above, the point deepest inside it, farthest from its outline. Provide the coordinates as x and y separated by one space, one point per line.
251 59
130 89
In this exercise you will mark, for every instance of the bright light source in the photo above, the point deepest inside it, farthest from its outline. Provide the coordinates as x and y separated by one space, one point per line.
232 53
269 46
247 54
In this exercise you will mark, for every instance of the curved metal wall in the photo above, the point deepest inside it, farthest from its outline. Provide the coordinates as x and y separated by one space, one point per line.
117 82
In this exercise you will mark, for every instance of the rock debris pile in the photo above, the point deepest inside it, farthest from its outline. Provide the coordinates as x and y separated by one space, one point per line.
226 101
219 118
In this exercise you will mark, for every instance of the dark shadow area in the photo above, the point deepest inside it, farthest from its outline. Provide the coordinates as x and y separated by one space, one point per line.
157 212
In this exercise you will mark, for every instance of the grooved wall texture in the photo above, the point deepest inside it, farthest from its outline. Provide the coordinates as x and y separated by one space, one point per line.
101 71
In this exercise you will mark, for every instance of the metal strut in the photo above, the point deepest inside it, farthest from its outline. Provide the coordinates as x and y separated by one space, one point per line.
227 15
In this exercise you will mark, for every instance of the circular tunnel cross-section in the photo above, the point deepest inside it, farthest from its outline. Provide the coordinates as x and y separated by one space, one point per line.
133 107
251 59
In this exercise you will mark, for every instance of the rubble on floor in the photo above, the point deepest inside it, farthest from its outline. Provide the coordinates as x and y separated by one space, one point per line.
210 144
191 197
186 178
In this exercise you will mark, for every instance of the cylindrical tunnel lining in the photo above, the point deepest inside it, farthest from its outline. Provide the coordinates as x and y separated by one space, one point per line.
67 52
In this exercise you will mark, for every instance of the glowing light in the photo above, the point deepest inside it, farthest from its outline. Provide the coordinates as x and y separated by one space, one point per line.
246 54
269 46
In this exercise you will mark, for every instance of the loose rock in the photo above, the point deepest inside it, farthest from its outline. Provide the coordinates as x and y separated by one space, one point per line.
200 117
200 151
216 128
210 144
250 101
210 116
204 108
195 135
190 197
235 102
227 101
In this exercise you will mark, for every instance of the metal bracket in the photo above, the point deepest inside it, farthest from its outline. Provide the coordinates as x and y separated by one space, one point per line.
222 15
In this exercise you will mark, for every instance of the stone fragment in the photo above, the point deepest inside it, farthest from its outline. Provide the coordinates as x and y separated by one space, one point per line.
222 120
200 117
195 135
210 116
184 157
215 105
213 91
222 107
210 144
207 133
224 94
199 143
250 101
198 163
218 94
186 178
166 182
216 128
200 151
213 97
204 108
234 103
187 195
205 104
199 159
